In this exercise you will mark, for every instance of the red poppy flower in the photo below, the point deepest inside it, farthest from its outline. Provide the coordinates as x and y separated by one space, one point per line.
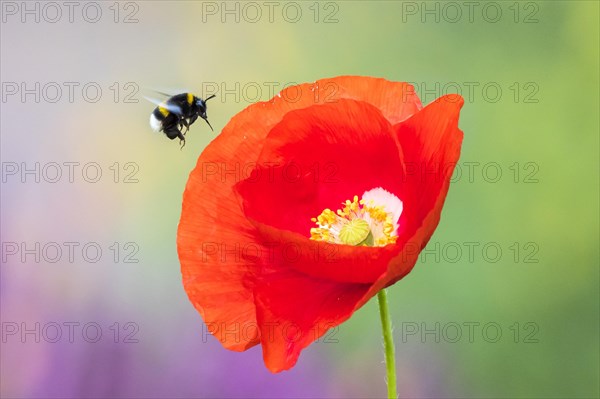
265 257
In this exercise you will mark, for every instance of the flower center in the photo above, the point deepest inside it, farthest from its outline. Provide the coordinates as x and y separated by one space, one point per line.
370 221
355 232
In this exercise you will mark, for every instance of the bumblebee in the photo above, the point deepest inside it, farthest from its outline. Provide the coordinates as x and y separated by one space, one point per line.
176 113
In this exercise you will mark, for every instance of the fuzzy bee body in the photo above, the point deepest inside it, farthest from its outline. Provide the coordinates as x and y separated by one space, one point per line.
176 113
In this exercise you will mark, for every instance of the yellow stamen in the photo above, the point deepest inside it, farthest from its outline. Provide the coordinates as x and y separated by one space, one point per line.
357 223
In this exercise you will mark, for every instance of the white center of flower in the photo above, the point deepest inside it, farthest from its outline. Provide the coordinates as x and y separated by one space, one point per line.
370 221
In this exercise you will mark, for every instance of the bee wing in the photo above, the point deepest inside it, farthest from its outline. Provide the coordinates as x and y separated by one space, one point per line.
170 92
167 94
168 106
164 94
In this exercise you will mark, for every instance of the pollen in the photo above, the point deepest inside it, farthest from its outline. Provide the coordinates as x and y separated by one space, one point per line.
369 221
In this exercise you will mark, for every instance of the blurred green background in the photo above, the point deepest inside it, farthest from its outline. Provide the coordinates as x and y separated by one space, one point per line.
505 299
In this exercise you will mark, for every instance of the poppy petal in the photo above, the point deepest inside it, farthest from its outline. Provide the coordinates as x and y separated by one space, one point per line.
216 278
333 262
294 310
431 141
396 100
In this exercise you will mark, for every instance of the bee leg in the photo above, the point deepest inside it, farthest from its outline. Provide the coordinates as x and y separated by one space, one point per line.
173 132
185 123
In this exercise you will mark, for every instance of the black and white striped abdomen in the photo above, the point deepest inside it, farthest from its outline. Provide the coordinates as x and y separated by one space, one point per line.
156 119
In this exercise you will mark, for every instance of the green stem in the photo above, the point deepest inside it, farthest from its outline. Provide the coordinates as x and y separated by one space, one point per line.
388 340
